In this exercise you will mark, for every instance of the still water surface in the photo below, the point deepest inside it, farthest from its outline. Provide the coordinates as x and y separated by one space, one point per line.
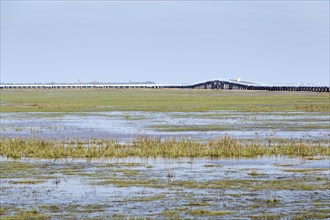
125 126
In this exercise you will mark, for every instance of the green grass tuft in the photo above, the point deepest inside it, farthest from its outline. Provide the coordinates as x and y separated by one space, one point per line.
153 147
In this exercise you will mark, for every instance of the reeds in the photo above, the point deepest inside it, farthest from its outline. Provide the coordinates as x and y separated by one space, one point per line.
224 147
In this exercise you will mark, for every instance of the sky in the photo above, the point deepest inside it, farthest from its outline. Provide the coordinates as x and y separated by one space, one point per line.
164 41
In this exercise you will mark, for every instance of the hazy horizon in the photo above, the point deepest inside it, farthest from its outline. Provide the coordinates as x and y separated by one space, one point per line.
164 41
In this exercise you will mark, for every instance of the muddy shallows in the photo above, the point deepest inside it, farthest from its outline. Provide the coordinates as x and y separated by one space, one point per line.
261 188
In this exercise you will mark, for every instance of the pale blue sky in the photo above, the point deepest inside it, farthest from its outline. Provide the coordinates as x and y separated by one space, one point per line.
164 41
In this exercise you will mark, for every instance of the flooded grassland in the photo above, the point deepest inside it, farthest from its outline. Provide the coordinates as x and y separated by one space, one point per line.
124 126
164 154
260 188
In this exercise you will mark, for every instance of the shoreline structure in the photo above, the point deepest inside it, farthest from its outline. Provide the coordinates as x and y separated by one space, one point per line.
213 84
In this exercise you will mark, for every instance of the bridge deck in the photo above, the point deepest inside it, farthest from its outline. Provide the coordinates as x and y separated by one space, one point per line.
214 84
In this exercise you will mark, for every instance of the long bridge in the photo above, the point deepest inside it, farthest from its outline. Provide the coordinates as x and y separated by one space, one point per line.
213 84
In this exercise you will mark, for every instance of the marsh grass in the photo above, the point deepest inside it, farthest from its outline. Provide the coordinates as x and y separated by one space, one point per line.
241 127
213 166
128 172
153 147
3 211
267 216
160 100
181 128
311 215
172 214
51 208
254 173
284 165
148 199
90 208
16 170
25 181
192 204
273 202
121 182
26 214
307 170
304 184
202 212
133 117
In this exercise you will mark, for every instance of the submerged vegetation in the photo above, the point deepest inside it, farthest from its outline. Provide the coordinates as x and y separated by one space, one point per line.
178 128
27 214
154 147
303 184
112 188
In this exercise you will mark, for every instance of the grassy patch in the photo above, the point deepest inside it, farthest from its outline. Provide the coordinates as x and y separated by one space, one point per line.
118 182
36 181
307 170
3 210
129 117
173 214
10 169
285 165
147 199
130 164
28 214
305 184
127 172
181 128
202 212
153 147
213 165
192 204
159 100
267 216
272 202
311 215
90 208
52 208
254 173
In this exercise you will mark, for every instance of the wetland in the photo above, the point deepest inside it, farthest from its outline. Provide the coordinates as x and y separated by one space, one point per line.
142 187
164 154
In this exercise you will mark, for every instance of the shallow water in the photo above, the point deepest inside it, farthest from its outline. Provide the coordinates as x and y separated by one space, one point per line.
125 126
83 191
279 187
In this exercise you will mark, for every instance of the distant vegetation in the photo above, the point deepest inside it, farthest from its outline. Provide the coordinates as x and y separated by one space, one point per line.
162 100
